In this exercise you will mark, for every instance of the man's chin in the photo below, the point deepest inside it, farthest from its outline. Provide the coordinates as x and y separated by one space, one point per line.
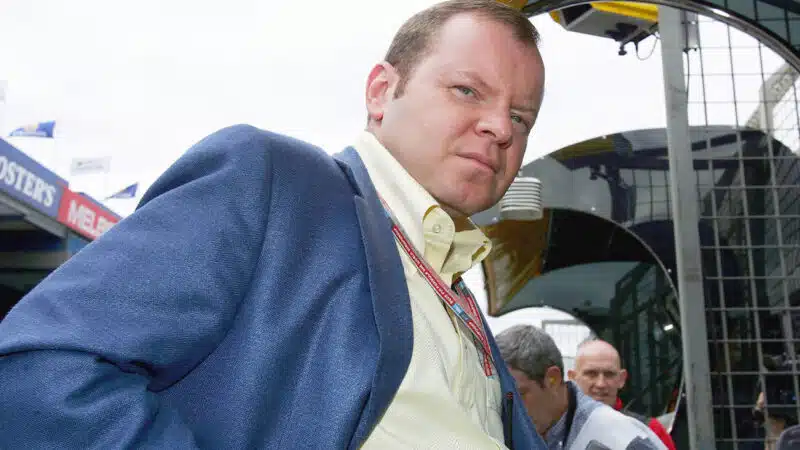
462 213
465 198
463 208
604 399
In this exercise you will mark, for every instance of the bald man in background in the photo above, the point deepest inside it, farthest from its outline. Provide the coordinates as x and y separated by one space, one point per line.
599 374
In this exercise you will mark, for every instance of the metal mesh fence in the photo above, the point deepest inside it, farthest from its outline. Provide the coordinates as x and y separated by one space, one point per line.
749 229
744 133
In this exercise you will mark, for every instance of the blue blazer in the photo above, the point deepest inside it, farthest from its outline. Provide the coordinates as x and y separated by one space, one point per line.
255 299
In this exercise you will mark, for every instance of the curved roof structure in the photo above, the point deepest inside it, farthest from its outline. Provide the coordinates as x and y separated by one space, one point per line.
776 23
606 201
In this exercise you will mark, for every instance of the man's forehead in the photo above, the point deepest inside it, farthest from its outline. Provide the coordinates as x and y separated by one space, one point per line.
457 40
598 354
597 363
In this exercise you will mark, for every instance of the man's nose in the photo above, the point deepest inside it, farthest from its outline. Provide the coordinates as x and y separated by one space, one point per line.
497 124
601 381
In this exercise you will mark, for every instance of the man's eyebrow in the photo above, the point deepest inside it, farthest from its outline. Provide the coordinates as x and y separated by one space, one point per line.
527 109
475 78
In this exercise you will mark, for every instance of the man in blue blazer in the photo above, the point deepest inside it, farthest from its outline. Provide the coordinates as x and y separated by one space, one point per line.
268 295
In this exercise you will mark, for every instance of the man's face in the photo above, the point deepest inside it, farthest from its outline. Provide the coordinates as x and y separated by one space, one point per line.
538 399
599 375
461 124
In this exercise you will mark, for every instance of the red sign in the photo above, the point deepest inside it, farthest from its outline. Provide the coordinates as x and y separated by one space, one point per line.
84 215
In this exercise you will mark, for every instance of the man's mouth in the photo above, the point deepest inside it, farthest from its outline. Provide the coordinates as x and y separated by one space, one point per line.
482 160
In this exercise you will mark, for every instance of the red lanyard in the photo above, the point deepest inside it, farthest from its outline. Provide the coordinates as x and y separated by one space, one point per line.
462 304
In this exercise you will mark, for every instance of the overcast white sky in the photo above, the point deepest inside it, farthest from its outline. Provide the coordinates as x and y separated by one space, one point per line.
141 81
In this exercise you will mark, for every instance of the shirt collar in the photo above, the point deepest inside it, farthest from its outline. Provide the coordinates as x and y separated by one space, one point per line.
407 199
429 228
584 405
555 435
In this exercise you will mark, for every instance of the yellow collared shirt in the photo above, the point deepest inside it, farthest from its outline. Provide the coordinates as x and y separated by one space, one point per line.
445 400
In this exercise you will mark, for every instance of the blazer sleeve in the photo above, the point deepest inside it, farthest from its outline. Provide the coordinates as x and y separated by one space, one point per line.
83 355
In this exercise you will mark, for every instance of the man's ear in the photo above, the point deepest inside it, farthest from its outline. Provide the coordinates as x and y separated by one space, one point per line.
623 377
381 84
571 374
553 377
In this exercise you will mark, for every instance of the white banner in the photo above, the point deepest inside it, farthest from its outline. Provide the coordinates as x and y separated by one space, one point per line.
80 166
3 93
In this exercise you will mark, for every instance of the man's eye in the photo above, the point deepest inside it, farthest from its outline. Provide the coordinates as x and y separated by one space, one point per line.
465 90
519 120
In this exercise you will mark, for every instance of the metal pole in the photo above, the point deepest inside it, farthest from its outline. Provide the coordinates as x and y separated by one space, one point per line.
685 216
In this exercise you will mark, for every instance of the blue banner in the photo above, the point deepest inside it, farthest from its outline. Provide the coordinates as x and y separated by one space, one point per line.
26 180
41 129
128 192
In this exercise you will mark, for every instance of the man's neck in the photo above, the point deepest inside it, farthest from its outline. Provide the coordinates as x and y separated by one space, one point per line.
461 220
560 407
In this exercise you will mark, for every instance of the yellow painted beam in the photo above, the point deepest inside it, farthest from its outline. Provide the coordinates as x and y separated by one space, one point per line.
516 4
642 11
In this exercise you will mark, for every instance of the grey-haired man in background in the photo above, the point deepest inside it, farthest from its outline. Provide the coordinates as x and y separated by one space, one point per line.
562 414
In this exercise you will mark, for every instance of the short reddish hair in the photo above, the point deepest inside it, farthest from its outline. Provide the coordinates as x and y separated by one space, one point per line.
414 38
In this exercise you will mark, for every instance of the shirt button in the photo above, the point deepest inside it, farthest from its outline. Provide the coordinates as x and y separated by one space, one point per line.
437 228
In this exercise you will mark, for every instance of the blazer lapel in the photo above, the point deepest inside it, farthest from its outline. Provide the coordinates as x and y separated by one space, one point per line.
390 300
